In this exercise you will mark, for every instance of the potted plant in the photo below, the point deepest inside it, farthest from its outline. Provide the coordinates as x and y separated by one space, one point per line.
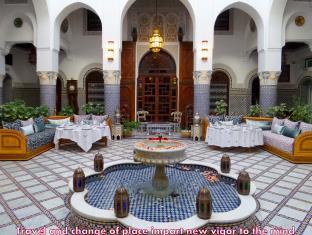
300 112
128 128
67 110
221 107
255 111
279 111
91 108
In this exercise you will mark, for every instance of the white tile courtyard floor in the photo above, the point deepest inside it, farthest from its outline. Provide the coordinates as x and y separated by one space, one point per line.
32 192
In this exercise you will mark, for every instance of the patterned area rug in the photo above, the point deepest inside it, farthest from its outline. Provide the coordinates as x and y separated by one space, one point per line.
32 193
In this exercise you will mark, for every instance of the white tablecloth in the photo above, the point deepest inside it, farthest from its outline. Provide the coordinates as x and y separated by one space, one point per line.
83 137
235 136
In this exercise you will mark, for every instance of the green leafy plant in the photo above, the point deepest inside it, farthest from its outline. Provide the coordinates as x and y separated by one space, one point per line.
255 110
129 126
67 110
300 112
279 111
91 108
17 110
221 107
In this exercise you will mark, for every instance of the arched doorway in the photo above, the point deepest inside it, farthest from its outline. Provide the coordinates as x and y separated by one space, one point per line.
7 89
305 90
219 89
255 91
157 86
94 84
58 101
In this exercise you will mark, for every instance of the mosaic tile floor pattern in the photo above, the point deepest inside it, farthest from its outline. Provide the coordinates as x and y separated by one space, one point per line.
32 192
150 208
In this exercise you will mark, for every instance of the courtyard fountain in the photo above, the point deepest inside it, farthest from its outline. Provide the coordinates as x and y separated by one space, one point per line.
162 190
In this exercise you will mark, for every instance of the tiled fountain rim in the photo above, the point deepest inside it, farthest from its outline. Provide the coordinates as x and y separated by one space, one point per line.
247 207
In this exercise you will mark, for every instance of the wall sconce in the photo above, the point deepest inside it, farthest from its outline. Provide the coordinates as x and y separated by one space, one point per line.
204 50
110 50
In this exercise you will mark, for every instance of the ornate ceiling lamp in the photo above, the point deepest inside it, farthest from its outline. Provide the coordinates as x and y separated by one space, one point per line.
156 41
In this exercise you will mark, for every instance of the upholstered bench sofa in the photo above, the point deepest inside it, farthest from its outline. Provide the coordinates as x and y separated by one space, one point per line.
295 150
14 145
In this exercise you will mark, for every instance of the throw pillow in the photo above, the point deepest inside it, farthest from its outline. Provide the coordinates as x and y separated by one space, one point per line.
28 122
277 129
290 132
277 121
99 119
39 124
79 118
213 119
305 127
264 125
28 130
16 125
290 124
59 122
236 119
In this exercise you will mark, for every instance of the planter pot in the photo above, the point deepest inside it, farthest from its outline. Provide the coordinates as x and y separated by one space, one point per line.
127 133
185 134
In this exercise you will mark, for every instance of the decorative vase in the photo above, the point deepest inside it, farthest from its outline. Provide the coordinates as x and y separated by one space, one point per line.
98 162
225 164
243 183
121 202
79 180
197 119
204 204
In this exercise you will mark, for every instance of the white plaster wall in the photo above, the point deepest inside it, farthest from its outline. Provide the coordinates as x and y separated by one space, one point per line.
23 73
82 50
231 50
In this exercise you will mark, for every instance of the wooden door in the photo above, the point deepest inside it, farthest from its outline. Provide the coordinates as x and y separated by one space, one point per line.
127 83
157 88
186 83
158 96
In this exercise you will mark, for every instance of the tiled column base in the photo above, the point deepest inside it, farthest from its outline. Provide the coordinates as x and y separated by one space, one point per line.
48 89
48 96
201 99
112 98
268 97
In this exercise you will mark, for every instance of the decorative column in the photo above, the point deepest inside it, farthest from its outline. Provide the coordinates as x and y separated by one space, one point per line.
48 89
111 91
268 89
2 76
202 92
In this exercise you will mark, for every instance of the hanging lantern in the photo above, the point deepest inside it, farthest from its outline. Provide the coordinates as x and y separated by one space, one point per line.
156 41
204 204
121 202
225 164
243 183
78 180
98 162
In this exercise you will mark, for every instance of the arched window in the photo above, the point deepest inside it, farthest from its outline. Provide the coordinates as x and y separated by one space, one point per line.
305 90
219 89
95 87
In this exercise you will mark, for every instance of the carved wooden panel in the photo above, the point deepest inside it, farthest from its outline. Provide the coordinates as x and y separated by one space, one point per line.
127 83
186 84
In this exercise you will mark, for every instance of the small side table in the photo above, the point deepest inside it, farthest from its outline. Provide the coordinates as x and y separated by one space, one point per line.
117 131
196 132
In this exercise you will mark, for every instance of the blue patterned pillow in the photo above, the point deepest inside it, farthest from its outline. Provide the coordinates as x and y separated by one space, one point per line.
236 119
39 124
16 125
213 119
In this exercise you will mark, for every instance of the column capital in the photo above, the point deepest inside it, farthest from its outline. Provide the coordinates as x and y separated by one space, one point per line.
111 77
202 77
47 77
269 78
